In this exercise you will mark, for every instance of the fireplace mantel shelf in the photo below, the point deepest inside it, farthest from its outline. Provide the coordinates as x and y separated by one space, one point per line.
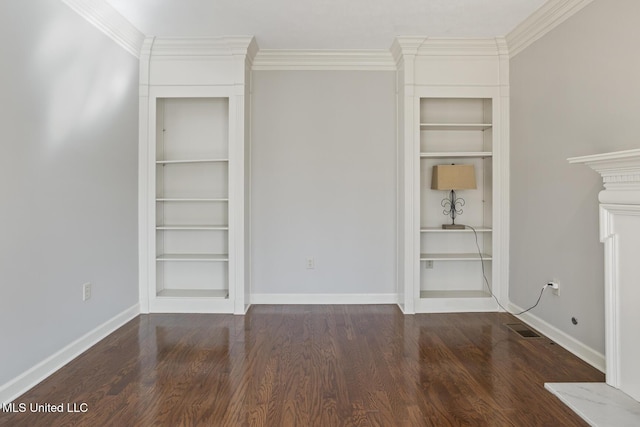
620 173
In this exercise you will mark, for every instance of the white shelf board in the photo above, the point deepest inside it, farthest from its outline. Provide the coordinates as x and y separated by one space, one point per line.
193 199
192 227
454 302
455 126
193 257
479 229
454 257
188 304
455 294
194 293
173 162
451 154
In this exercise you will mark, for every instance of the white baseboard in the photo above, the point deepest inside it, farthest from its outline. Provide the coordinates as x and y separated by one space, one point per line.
324 299
584 352
27 380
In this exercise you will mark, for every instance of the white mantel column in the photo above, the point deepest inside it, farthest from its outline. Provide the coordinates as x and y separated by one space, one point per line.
620 233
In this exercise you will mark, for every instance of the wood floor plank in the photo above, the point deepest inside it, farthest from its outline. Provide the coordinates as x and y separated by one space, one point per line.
312 366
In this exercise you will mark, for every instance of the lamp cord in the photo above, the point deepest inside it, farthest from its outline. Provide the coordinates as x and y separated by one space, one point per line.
486 281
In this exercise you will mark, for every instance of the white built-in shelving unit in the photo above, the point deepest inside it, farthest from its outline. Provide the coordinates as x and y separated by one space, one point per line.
193 181
453 105
192 197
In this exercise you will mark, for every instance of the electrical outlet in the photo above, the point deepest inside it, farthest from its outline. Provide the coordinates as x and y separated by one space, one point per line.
428 264
311 263
86 291
555 287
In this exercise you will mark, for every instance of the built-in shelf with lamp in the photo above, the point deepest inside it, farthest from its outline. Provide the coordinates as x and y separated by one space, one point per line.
456 136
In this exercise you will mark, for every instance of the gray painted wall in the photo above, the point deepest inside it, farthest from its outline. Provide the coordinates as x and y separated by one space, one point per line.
574 92
323 177
68 180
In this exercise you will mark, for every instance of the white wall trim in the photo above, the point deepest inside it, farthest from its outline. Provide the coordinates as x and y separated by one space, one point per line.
335 299
106 19
27 380
202 47
584 352
542 21
326 60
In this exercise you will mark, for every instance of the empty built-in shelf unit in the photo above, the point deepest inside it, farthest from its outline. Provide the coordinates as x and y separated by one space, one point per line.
194 149
192 197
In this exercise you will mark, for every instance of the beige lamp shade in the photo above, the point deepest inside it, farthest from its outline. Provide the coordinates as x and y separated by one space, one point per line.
453 177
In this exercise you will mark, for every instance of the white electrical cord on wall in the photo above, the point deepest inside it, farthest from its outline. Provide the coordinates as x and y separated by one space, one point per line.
486 281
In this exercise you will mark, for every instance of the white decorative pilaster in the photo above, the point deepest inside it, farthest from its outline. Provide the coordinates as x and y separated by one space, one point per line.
404 51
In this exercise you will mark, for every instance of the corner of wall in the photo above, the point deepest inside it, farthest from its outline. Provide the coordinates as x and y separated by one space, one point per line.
29 379
579 349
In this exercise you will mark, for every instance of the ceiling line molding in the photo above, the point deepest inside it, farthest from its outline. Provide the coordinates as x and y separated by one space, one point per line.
406 45
319 60
105 18
542 21
202 47
468 47
426 47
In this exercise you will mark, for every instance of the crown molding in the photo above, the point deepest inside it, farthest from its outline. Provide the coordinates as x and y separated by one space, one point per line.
460 47
502 46
406 45
436 46
336 60
105 18
542 21
252 51
204 46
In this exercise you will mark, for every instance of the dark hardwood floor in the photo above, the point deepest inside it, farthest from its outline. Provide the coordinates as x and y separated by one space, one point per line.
312 366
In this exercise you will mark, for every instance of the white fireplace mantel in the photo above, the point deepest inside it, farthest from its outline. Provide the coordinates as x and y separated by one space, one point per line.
620 233
616 403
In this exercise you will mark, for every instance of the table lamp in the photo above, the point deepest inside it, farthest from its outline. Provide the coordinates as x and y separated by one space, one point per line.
452 178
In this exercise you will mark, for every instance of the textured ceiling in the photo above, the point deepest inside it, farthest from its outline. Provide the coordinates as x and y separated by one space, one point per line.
326 24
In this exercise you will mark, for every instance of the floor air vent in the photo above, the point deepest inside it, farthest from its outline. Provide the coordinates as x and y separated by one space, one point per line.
522 330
